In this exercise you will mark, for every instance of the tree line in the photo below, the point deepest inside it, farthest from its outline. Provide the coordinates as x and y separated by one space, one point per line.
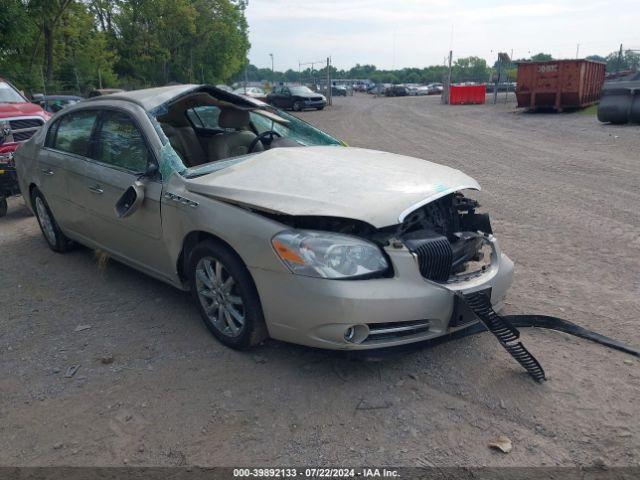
465 69
74 46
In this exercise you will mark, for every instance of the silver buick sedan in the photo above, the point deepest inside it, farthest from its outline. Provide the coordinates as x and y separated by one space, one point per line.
276 228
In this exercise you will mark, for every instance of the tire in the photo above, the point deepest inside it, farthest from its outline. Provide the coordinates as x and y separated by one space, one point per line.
297 106
320 108
3 206
233 313
54 237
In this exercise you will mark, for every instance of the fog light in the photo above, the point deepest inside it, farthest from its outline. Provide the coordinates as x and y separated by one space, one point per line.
356 333
349 334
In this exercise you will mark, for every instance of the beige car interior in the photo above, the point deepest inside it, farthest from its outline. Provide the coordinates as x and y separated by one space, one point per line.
196 149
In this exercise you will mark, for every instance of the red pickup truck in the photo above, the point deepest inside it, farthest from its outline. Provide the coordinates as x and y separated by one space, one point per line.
19 120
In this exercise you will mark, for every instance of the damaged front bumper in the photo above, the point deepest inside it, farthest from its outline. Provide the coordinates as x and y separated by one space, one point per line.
374 313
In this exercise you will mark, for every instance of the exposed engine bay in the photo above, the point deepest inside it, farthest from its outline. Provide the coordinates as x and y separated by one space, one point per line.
449 238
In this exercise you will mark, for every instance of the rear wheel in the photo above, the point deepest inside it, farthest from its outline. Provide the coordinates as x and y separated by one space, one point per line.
56 240
226 296
3 206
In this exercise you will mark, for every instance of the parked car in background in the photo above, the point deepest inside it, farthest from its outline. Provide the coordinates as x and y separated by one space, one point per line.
99 92
336 90
253 92
501 87
224 87
274 227
412 89
435 88
422 90
55 103
397 91
19 120
296 98
379 89
363 86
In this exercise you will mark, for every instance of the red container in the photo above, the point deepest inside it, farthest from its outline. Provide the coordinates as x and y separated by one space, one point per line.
467 94
559 84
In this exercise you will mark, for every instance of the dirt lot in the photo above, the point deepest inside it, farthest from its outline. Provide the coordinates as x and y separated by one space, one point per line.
563 193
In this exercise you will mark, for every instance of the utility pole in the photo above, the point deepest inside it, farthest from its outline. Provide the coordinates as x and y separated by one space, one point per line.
312 64
273 73
497 82
578 51
447 90
245 76
329 96
620 58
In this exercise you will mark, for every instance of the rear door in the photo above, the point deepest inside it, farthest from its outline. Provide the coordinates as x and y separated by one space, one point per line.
62 164
120 157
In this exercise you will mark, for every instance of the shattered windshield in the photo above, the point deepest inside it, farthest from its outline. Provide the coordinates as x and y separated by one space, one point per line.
291 127
205 120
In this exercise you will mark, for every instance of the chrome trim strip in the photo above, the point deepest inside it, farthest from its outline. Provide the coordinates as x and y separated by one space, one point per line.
383 331
181 200
24 118
25 130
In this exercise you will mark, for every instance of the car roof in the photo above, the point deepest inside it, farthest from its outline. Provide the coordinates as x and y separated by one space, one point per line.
152 98
148 98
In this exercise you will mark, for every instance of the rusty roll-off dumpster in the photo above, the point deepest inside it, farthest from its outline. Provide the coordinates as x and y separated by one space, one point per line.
559 84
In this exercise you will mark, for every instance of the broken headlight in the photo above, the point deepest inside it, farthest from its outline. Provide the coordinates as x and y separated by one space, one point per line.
328 255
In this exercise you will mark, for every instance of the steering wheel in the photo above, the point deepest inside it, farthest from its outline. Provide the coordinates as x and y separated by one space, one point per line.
265 137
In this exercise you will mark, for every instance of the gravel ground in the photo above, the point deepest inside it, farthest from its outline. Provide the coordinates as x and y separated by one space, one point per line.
154 388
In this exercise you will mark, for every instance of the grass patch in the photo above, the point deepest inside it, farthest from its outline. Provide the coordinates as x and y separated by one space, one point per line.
591 110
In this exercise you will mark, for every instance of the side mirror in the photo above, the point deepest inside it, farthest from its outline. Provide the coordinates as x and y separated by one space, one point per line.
131 200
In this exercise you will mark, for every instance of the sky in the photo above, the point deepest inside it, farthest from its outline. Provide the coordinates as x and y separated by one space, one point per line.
417 33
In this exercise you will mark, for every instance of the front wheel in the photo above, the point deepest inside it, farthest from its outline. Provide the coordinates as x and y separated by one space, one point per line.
3 206
320 108
297 106
56 240
226 296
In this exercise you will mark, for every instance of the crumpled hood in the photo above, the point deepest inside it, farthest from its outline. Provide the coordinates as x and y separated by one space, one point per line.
376 187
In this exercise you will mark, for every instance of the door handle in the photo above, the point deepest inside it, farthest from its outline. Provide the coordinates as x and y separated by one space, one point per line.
48 172
96 189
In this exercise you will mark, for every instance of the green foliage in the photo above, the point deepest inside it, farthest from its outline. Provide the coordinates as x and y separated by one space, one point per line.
77 45
596 58
464 69
629 60
541 57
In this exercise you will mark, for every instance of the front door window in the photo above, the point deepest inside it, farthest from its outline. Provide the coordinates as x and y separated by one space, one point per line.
121 144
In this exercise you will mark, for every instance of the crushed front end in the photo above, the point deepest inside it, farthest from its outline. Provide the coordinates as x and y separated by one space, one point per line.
439 251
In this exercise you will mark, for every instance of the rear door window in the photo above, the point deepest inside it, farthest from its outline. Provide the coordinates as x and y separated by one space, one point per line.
206 117
73 132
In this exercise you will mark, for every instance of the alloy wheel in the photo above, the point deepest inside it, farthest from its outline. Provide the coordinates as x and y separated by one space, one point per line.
45 221
219 296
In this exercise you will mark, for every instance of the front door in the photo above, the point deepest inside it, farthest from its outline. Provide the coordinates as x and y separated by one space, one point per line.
286 101
120 156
